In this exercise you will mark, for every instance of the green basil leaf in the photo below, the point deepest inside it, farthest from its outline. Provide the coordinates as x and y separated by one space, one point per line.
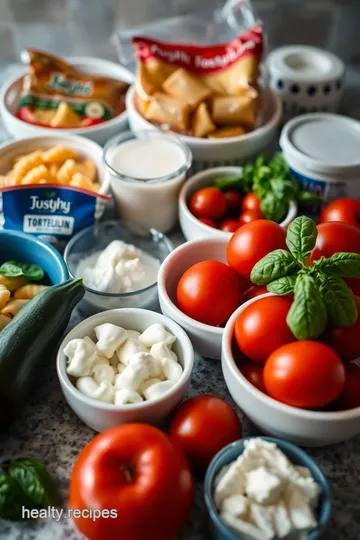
274 265
307 317
16 269
339 300
227 182
301 238
282 286
273 208
12 499
341 265
33 478
308 197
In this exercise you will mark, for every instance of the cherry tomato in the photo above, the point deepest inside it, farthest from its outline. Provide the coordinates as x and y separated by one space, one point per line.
208 202
136 471
250 202
229 225
209 292
233 200
208 222
346 340
253 372
345 210
250 215
202 426
261 327
333 237
251 243
304 374
253 292
350 395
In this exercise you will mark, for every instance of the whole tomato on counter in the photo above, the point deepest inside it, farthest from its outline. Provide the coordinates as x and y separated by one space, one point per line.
209 292
251 243
202 426
345 210
136 470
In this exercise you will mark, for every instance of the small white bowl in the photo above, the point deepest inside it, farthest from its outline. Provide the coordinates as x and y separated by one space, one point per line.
11 90
227 151
205 338
300 426
101 416
193 228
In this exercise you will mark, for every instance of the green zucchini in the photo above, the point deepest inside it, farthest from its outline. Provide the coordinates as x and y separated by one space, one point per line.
31 337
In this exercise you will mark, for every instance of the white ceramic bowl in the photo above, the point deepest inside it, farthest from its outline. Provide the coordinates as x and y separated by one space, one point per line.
193 228
10 93
227 151
86 149
205 338
302 427
101 416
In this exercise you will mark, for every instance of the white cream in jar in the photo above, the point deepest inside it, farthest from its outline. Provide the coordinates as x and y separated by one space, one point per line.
146 176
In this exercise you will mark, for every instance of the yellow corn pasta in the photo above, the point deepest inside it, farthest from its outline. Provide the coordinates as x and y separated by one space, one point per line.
13 307
4 321
25 164
58 153
81 181
12 283
4 296
66 172
35 175
27 292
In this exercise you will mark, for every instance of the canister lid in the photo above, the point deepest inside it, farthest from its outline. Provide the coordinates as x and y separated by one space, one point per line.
323 142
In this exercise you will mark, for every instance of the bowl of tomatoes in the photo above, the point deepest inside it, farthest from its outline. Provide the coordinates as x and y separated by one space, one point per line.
207 210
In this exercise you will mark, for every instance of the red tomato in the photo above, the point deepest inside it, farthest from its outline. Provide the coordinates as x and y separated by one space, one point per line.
345 210
233 200
250 215
208 222
350 396
304 374
253 292
261 327
250 202
209 292
251 243
253 372
137 471
202 426
208 203
229 225
333 237
346 340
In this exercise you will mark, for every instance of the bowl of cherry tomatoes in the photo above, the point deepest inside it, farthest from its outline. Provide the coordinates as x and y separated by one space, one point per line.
307 392
206 210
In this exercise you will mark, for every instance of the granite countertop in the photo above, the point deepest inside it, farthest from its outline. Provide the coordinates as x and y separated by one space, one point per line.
47 429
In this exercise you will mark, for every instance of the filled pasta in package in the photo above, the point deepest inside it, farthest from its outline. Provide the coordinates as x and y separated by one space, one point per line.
198 89
52 193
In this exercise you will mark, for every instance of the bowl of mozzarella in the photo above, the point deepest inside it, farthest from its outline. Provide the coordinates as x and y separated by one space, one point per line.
266 488
119 263
124 365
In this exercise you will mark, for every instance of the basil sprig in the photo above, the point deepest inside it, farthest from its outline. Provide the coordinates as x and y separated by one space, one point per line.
18 269
25 483
272 183
320 293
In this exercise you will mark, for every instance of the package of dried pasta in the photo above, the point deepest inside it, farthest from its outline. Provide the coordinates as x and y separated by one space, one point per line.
200 90
58 95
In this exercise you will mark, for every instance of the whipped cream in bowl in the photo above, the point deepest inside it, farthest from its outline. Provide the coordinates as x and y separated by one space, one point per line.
119 264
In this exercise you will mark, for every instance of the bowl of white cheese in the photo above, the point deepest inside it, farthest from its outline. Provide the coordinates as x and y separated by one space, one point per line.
265 488
119 263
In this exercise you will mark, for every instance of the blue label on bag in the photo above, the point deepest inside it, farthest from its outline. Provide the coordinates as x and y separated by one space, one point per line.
50 211
315 186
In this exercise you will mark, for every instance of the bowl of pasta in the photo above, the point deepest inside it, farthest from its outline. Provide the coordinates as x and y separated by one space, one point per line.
27 266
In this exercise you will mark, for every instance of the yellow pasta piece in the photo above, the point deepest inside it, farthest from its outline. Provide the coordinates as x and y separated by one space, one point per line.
26 292
4 296
13 307
81 181
66 172
53 170
12 283
58 153
87 168
25 164
35 175
4 321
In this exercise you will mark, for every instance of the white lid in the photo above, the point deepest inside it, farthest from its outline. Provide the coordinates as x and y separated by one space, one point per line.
323 142
303 63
